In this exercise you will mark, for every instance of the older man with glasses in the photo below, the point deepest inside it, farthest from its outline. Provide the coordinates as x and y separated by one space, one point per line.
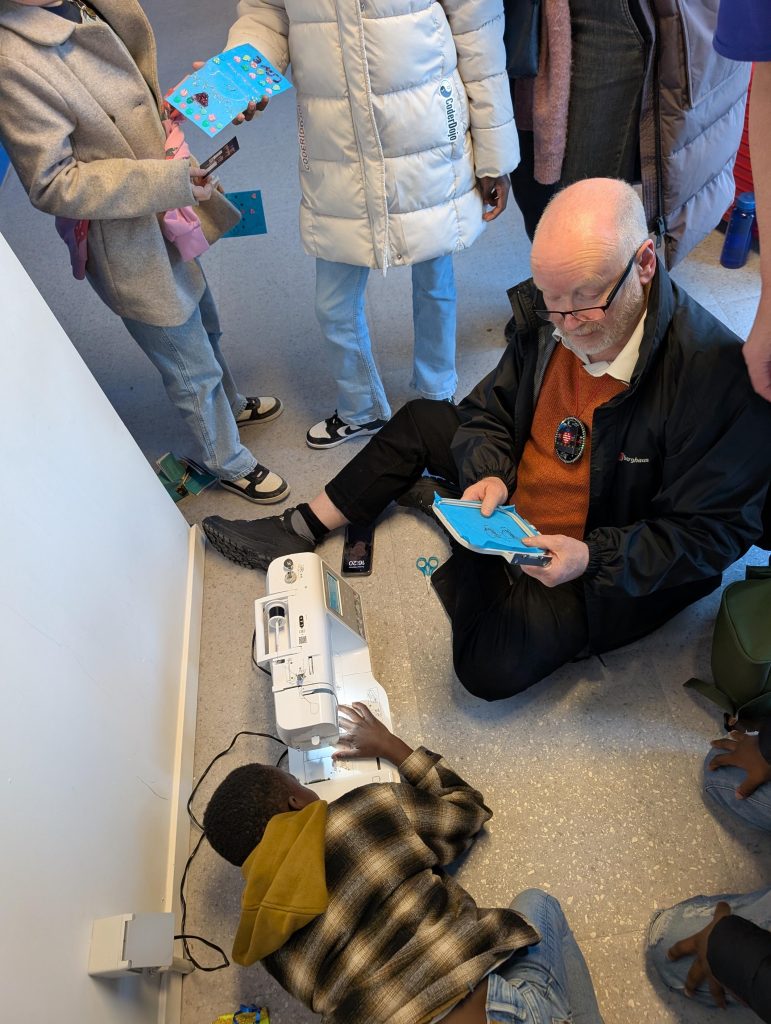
619 420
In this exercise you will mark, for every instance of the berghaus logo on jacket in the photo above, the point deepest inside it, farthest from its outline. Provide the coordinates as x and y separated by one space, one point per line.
445 91
634 459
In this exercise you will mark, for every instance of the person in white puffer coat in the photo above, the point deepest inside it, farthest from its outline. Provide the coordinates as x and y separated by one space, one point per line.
406 139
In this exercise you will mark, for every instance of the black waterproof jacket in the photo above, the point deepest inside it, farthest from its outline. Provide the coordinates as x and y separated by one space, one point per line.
680 461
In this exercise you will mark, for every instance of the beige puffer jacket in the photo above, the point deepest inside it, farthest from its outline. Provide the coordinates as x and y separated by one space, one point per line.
401 105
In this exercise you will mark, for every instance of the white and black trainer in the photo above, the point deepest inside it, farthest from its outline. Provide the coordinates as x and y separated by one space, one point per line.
331 432
260 410
260 486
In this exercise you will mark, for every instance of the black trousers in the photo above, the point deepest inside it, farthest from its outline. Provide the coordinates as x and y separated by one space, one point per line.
508 629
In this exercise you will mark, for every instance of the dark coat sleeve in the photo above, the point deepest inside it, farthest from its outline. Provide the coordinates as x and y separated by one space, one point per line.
483 444
715 474
496 416
739 955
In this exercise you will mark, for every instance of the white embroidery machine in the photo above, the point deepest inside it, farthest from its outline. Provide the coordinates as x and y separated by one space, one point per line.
310 636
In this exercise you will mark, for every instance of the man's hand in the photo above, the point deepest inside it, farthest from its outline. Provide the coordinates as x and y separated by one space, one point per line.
569 559
366 736
490 490
202 184
757 354
495 193
252 109
696 946
743 752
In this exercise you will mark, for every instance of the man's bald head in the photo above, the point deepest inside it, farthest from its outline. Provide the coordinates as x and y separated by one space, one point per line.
587 235
597 215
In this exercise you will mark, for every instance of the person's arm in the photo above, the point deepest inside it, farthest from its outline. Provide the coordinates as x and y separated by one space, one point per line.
265 25
477 28
738 954
444 810
37 138
750 753
757 348
729 954
483 445
714 478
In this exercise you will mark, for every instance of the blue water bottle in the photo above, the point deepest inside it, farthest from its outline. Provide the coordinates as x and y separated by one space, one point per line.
739 232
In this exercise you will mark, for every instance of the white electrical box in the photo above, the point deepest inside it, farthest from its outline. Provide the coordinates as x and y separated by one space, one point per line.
130 942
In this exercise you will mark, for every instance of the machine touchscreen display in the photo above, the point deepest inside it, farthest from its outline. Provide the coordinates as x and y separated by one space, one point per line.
333 592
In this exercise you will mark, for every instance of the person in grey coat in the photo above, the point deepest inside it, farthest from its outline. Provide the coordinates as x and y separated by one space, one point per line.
85 127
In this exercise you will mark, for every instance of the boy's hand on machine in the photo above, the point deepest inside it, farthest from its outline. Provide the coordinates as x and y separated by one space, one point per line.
253 108
490 490
203 185
366 736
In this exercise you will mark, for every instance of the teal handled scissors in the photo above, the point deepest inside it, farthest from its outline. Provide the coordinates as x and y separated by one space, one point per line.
427 567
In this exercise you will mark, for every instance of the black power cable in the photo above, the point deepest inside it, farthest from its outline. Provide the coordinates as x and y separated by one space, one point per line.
184 936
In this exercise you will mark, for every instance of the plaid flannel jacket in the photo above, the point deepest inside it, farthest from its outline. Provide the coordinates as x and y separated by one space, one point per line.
400 938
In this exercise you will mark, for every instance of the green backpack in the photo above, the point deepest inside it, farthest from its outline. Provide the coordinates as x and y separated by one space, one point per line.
741 648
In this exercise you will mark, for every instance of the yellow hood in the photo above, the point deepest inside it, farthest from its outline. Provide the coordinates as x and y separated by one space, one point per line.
286 886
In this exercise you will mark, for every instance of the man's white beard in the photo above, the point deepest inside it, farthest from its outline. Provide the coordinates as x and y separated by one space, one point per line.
601 345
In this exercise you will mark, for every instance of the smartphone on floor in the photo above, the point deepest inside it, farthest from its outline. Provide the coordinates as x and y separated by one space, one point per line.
357 550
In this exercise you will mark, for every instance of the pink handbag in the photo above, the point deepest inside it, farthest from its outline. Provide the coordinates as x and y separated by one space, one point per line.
181 226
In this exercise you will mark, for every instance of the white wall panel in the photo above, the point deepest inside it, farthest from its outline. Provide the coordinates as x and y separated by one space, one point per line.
96 647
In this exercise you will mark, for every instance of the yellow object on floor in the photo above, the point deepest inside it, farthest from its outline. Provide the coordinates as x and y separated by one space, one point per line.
246 1016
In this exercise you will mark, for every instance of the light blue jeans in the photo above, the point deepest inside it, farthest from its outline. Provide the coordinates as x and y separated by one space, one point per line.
340 289
689 917
544 984
720 785
199 383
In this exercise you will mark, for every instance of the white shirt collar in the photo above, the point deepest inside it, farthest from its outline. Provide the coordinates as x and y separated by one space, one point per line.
622 367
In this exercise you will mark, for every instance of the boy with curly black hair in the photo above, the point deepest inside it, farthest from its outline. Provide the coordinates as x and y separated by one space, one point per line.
349 908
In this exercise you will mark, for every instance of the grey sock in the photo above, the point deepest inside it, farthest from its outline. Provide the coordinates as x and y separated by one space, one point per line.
300 527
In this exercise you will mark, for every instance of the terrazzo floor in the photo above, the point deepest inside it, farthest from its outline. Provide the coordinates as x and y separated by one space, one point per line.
593 775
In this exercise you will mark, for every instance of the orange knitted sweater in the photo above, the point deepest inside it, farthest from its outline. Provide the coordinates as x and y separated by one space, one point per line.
551 494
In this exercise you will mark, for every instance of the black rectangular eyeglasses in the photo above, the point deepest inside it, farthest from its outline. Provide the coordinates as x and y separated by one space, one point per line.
591 312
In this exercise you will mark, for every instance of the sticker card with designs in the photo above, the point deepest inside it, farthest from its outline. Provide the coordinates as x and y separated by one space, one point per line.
219 91
252 221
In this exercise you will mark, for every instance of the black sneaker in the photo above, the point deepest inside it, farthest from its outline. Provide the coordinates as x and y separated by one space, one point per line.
254 543
334 431
259 410
421 495
260 486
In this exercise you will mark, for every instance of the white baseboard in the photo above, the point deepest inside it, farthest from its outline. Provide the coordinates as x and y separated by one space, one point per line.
170 1006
